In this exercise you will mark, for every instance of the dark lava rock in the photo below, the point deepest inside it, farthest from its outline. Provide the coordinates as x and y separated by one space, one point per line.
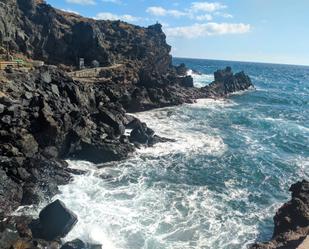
74 244
55 221
78 244
291 220
227 82
141 134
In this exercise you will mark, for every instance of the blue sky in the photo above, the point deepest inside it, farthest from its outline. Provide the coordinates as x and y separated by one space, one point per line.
245 30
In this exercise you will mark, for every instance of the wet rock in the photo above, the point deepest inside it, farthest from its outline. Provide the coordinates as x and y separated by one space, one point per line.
102 152
55 221
78 244
141 134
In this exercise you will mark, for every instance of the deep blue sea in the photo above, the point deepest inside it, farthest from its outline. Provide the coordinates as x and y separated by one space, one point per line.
219 185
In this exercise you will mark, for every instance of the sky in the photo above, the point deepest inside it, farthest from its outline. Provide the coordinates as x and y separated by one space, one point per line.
274 31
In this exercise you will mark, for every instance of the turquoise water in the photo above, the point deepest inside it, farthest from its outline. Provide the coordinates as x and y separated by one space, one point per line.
219 185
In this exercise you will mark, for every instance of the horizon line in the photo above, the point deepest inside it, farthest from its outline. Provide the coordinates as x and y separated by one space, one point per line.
245 61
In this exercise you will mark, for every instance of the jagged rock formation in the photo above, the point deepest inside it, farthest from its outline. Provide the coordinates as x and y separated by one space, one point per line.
291 221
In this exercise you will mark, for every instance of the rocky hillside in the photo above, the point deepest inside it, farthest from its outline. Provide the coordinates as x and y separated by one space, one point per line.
42 32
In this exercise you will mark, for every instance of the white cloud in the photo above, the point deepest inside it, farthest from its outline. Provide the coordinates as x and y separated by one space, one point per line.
82 2
205 17
176 13
224 15
112 1
156 11
70 11
111 16
199 11
160 11
207 7
208 29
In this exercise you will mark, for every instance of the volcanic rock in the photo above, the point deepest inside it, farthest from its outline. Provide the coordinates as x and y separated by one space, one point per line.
291 221
55 221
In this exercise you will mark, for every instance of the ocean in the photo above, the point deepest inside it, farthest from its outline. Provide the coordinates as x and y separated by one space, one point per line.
219 185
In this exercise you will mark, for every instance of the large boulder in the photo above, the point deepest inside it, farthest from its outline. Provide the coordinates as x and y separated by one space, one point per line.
55 221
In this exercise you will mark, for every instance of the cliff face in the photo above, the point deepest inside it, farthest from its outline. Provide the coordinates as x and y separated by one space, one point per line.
42 32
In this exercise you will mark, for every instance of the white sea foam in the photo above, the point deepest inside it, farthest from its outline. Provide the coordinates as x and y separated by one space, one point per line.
287 123
126 208
201 80
136 215
165 123
214 104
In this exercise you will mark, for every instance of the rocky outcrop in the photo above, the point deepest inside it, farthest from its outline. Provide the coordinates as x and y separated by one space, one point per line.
226 82
291 229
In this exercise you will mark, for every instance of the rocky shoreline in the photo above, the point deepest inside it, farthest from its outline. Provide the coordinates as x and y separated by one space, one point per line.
291 221
47 117
51 113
